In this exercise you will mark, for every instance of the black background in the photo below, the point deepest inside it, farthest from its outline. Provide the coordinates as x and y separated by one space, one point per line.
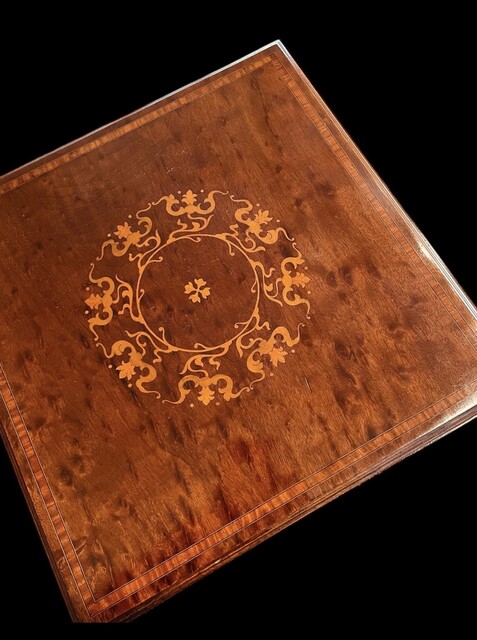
403 544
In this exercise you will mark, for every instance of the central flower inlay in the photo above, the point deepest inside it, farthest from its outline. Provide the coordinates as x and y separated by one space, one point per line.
198 291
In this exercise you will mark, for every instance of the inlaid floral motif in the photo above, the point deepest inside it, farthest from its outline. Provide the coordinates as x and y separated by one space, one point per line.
197 291
146 359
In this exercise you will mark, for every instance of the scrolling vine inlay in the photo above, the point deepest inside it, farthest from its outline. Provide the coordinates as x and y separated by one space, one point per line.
188 241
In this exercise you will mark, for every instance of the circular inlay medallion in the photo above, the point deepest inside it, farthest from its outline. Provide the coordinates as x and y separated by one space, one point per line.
199 296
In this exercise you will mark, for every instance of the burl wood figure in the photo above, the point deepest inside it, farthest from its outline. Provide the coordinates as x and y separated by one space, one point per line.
215 318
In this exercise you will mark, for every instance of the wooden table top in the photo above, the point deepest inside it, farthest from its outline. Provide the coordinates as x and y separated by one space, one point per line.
215 319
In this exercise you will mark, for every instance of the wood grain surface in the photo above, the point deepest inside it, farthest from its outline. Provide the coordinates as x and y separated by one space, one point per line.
215 319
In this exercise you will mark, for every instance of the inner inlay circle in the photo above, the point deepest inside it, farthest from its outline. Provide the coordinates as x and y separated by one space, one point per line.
198 292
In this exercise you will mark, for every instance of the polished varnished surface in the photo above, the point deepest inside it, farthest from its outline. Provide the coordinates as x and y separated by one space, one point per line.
215 318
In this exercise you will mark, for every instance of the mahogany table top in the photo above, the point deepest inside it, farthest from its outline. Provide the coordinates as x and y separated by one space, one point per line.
215 318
